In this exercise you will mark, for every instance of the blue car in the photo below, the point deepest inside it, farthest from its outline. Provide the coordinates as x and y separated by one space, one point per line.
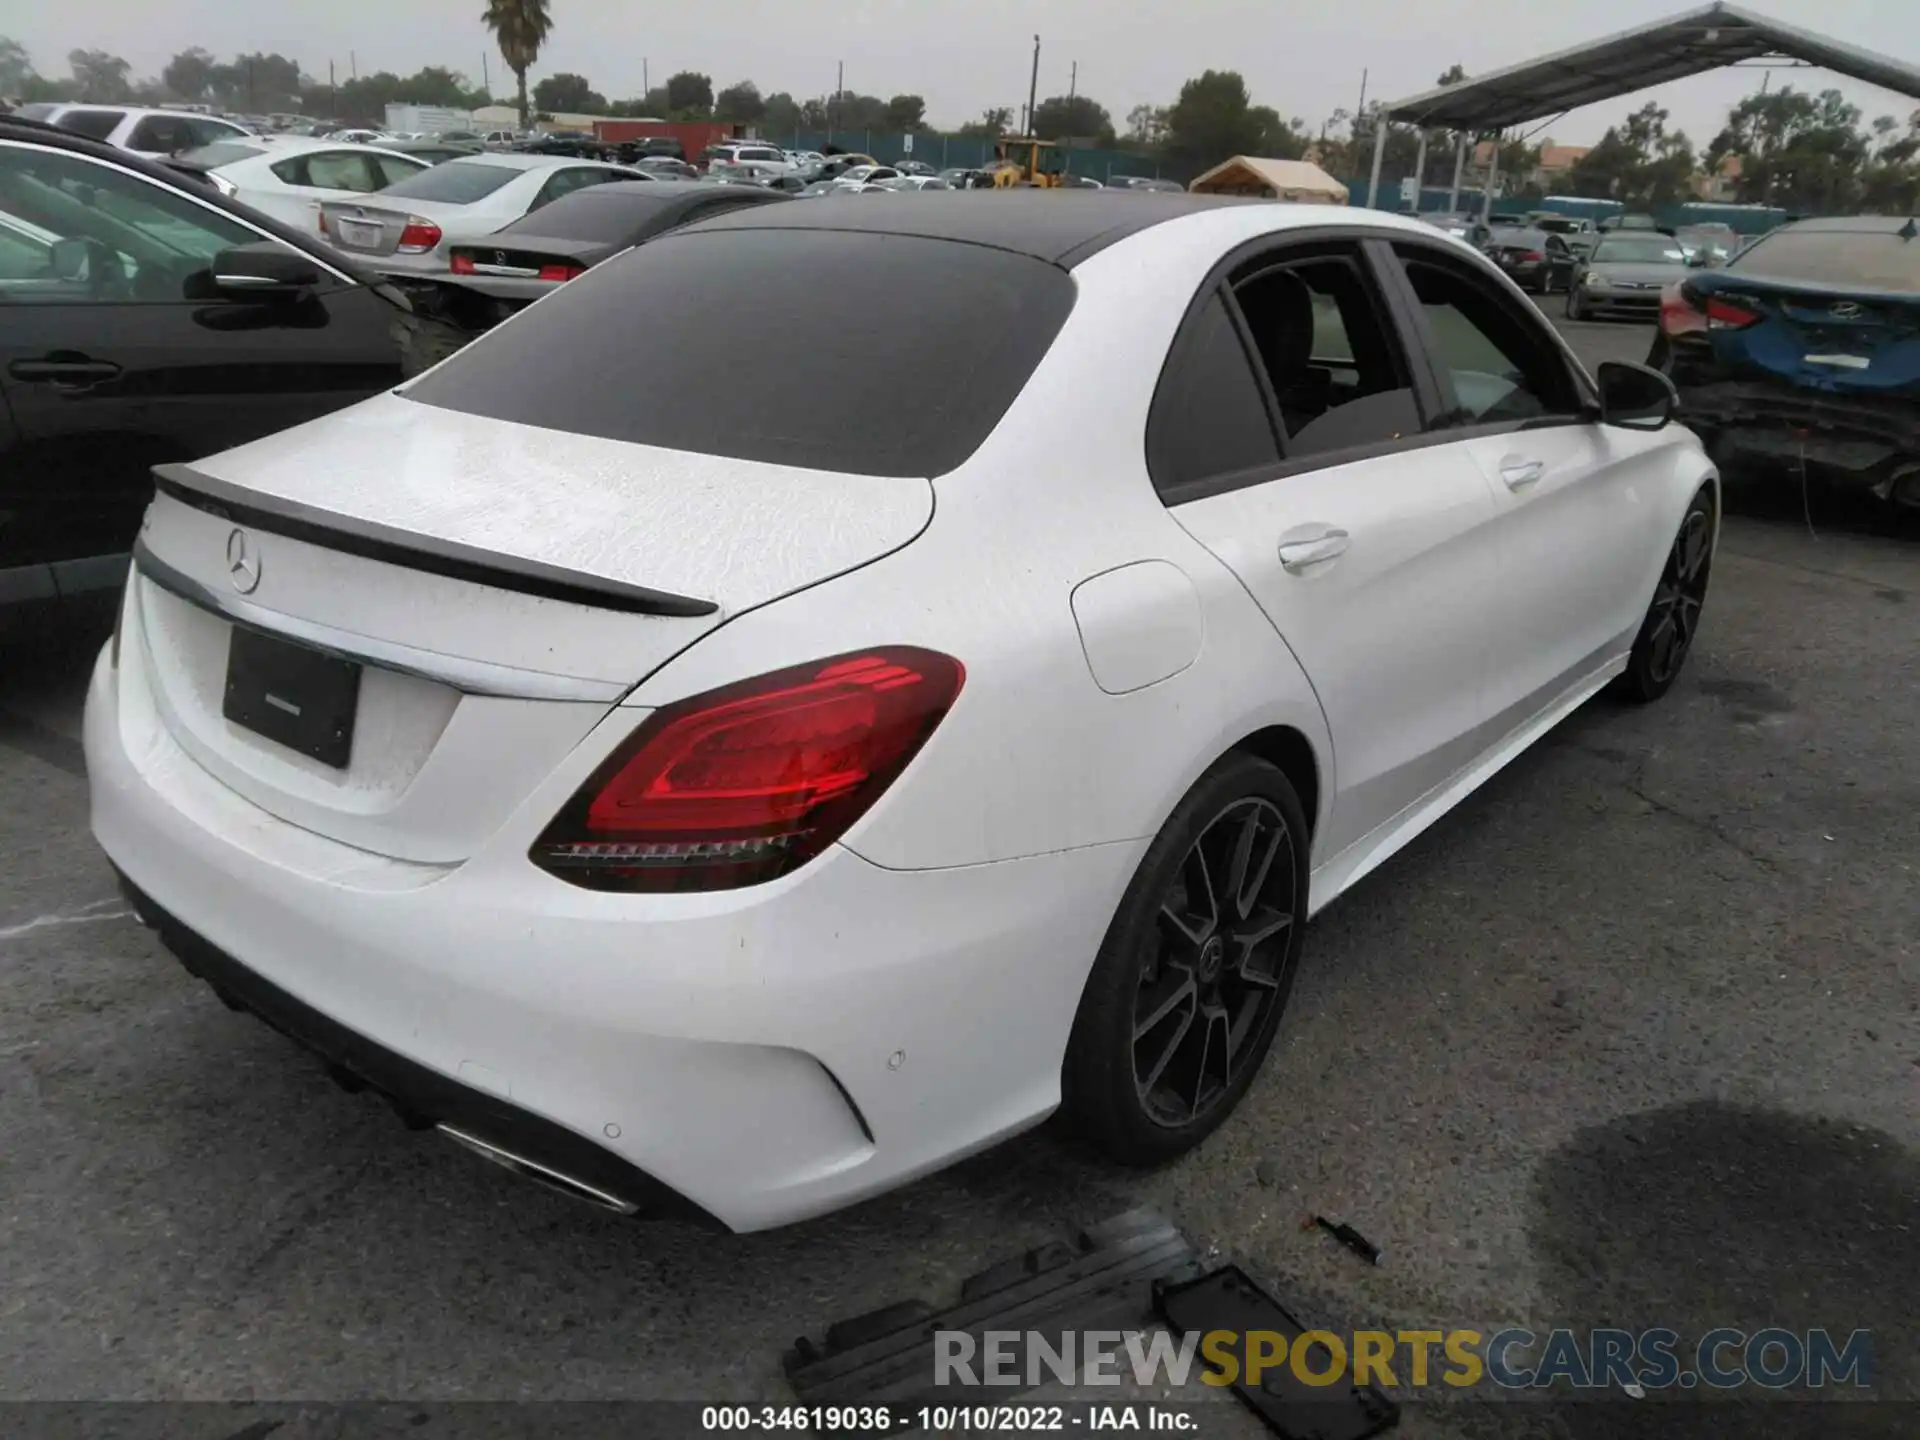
1805 347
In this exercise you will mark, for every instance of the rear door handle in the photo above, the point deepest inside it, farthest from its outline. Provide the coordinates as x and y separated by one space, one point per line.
1302 551
76 370
1520 472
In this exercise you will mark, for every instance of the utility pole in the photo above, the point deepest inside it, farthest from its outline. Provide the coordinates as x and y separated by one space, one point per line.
353 65
252 105
1033 85
333 95
486 77
1073 84
1361 112
646 81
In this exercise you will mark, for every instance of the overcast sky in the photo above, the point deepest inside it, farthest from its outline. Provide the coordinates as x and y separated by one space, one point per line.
1304 59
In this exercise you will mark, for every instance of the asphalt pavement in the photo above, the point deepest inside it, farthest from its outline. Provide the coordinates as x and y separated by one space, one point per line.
1631 1038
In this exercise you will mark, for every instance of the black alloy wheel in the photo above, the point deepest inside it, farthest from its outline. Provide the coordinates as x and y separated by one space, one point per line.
1188 989
1673 619
1211 977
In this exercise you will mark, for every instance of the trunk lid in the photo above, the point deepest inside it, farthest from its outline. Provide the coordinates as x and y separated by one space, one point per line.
498 587
522 256
362 228
1837 340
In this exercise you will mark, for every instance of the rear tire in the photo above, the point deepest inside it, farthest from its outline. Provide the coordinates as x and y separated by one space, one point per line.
1191 981
1673 619
1576 308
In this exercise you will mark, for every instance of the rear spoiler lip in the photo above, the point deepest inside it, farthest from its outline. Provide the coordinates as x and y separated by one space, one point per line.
276 515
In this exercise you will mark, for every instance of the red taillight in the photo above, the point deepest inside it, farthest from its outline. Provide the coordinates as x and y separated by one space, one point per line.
561 272
1683 313
1678 314
418 237
1531 257
461 264
323 222
1726 315
745 783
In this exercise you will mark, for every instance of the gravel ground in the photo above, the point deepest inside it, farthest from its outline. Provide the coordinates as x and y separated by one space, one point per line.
1632 1038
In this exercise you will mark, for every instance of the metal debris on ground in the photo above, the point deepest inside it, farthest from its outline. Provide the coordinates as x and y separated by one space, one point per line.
1347 1236
1102 1280
1228 1299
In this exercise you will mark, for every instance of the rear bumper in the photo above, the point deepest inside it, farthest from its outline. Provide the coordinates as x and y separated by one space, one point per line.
423 1098
1854 436
759 1055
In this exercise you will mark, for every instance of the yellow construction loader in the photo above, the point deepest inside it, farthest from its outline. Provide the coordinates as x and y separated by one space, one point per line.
1023 160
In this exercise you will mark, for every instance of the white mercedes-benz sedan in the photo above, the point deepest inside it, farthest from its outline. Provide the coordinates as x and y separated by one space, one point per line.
694 800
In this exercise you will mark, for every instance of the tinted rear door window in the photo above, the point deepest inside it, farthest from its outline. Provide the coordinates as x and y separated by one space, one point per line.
1209 418
663 346
94 124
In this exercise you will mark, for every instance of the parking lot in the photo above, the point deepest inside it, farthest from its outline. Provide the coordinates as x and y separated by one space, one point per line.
1631 1038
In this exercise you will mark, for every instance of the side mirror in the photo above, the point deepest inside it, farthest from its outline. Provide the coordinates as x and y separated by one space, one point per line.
1635 397
264 269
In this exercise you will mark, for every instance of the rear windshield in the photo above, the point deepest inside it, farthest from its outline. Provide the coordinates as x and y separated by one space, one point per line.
1639 250
744 343
458 182
1857 259
225 153
588 215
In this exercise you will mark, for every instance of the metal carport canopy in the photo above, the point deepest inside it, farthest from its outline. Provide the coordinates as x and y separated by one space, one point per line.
1693 43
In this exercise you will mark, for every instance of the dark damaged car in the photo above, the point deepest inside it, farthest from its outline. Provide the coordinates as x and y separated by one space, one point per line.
1806 347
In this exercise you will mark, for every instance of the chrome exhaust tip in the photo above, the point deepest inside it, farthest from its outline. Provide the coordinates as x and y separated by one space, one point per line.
540 1174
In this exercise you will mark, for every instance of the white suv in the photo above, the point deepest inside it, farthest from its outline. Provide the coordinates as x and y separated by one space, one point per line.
768 160
146 132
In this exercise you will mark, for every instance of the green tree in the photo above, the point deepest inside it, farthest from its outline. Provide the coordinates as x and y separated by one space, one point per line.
652 105
994 122
1146 127
740 104
1278 139
569 93
1211 121
690 94
781 115
905 113
1800 151
1638 163
189 75
99 76
520 28
16 66
258 82
1063 117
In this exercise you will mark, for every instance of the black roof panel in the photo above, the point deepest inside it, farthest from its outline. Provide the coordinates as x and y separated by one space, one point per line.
1061 227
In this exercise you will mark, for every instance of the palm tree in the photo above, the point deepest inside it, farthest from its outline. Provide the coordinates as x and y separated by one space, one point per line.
521 27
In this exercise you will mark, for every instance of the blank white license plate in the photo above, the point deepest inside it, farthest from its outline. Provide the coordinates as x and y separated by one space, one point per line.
358 233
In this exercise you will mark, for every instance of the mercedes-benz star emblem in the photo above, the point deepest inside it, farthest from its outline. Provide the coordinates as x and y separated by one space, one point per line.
243 565
1844 309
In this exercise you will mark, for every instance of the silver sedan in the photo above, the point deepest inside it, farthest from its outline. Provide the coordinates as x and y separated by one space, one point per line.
402 230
